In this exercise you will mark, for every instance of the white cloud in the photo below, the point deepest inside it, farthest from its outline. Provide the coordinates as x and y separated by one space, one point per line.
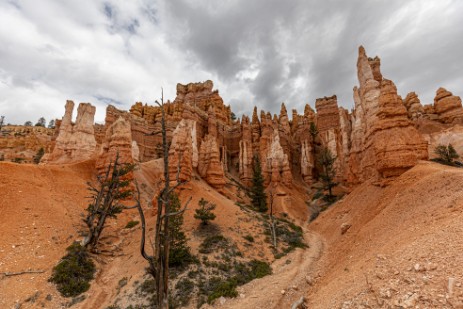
258 52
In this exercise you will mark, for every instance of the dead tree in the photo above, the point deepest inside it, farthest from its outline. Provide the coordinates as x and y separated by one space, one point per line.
272 222
159 262
111 188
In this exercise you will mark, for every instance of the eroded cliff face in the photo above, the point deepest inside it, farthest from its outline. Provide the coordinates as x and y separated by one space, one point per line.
379 139
75 141
117 142
21 143
385 142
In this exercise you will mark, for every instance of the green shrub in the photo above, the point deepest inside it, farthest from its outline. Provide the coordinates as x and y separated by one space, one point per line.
38 156
131 224
257 192
225 289
254 269
289 235
74 272
446 155
179 252
212 243
183 291
204 212
249 238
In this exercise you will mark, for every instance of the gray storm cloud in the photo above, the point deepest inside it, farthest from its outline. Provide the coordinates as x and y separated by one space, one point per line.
261 52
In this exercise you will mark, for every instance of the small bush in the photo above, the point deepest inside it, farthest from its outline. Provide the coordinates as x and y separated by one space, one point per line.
17 160
38 156
254 269
446 155
225 289
131 224
289 235
204 212
212 243
74 272
314 212
179 252
183 292
249 238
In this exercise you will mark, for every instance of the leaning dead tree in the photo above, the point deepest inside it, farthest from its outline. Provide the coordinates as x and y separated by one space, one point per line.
272 222
159 262
111 188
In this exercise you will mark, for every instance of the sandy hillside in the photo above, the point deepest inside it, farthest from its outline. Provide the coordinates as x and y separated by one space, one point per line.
40 215
44 204
404 248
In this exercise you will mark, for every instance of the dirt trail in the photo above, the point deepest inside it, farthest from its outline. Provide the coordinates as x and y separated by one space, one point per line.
292 273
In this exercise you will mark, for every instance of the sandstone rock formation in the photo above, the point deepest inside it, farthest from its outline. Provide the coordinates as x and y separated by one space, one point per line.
385 143
118 141
75 142
328 123
21 143
209 165
447 106
381 138
183 152
276 164
414 108
246 153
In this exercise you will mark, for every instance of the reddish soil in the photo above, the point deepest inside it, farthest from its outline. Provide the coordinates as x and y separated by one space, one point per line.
404 246
403 249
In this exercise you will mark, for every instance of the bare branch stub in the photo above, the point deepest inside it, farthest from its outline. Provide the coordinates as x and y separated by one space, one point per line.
10 274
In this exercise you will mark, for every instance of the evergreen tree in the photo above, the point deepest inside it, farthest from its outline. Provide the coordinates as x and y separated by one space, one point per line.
51 124
28 123
112 187
258 196
446 154
41 122
179 252
204 212
313 130
39 155
325 161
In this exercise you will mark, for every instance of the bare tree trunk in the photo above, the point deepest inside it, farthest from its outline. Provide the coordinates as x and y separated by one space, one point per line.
162 224
159 263
274 234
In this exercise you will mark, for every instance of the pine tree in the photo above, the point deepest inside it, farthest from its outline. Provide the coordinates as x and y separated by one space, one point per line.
204 212
39 155
41 122
325 161
313 130
179 252
111 188
258 196
51 124
446 154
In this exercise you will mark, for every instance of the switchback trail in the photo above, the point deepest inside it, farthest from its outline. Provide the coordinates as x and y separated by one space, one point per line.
292 274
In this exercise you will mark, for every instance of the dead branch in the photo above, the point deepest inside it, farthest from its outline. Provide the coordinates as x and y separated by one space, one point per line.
274 234
153 133
10 274
147 257
298 303
177 212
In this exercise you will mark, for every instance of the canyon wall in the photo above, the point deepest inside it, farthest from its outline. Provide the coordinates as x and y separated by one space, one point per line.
75 141
380 138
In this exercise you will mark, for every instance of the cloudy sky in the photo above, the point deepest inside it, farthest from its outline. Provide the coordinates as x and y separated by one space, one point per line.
260 52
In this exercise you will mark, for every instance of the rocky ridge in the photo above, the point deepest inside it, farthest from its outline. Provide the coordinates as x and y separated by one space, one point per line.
383 136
